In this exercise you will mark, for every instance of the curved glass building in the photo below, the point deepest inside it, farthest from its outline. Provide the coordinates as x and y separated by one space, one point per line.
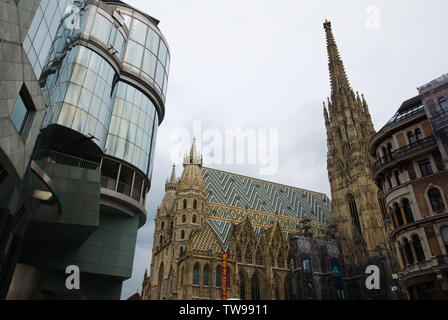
102 67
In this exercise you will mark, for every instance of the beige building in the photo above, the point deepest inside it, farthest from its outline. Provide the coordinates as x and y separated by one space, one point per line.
208 215
355 197
410 172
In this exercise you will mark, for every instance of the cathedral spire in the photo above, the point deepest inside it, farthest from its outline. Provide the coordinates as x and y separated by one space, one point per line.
193 157
173 175
338 75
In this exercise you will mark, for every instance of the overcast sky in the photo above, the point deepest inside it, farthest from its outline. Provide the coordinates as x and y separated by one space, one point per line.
263 65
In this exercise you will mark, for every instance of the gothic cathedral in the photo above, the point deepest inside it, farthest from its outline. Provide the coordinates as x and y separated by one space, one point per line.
355 205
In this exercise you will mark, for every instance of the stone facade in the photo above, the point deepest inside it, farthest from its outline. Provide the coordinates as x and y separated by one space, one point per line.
349 127
193 234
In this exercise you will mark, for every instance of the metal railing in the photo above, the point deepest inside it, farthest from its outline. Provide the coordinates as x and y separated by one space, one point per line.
65 159
439 119
403 153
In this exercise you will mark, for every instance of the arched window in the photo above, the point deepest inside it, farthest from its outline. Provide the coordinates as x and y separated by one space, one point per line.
276 292
418 248
182 234
384 158
255 287
382 203
172 225
287 288
195 204
194 218
206 276
411 137
161 240
280 260
159 286
435 197
389 151
218 279
181 251
397 212
248 256
185 203
444 233
354 212
242 286
407 210
259 257
238 254
418 134
196 274
443 104
163 225
397 177
184 218
408 251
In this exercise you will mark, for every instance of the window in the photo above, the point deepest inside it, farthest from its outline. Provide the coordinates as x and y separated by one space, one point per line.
397 212
248 256
206 276
242 287
182 234
408 251
425 167
196 274
354 212
161 240
194 218
444 233
407 210
184 218
443 103
418 248
218 282
411 137
255 287
418 134
163 225
397 177
22 110
195 204
435 197
238 254
389 182
259 257
185 203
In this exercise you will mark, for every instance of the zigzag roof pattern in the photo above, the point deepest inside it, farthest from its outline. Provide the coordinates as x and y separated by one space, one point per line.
250 193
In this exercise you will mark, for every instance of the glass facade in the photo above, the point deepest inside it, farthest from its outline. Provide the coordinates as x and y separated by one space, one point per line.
147 54
133 127
81 94
43 30
82 86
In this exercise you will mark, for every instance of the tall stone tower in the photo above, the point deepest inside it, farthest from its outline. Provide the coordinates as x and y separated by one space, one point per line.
349 127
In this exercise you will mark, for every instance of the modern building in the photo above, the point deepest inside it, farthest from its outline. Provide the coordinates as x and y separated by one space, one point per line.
355 199
410 171
22 109
102 68
222 235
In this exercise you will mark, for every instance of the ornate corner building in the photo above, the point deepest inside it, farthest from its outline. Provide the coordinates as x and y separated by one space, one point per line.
356 200
410 170
219 234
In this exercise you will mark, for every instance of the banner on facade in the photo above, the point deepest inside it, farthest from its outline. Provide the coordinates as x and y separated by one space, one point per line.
224 276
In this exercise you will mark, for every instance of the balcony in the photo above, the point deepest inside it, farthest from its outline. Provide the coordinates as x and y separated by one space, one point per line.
403 153
115 176
65 160
439 120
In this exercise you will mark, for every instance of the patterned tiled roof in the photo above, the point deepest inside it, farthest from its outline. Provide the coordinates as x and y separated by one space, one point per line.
231 197
204 240
246 192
